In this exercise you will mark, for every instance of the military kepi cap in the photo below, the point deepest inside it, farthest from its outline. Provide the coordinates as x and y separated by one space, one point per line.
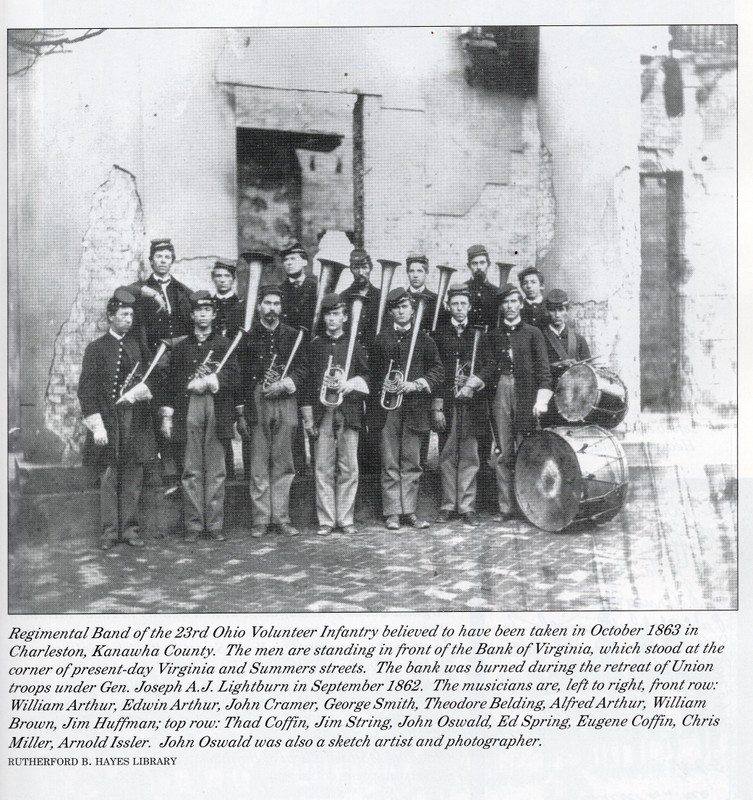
230 266
508 289
332 301
396 296
360 257
292 248
556 298
269 288
418 258
121 298
201 298
160 244
259 254
476 250
459 289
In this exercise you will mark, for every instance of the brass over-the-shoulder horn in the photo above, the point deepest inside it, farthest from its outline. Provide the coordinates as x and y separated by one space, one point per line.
388 273
328 278
445 273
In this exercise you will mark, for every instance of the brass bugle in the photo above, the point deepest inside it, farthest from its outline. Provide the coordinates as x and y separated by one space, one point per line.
445 273
388 273
328 279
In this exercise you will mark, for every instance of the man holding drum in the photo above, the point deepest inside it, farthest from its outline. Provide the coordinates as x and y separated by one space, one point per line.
520 386
564 346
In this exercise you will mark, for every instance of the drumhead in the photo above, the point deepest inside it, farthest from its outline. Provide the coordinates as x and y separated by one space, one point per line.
577 392
548 483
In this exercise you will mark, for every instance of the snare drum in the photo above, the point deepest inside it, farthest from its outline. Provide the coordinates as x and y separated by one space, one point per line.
591 395
569 475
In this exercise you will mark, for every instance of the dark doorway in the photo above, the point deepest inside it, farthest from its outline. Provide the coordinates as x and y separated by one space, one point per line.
661 264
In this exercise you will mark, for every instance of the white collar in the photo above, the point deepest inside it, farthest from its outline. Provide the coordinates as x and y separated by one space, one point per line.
219 296
116 336
297 281
402 329
512 324
459 325
535 302
164 281
555 331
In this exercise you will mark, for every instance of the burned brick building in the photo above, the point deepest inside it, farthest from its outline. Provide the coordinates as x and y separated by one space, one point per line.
605 156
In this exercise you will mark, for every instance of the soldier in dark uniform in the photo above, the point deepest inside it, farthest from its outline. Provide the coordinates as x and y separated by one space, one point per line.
466 415
402 428
335 429
534 310
163 306
565 346
484 295
520 386
298 306
417 267
229 308
120 437
361 267
163 311
267 411
229 313
198 415
298 289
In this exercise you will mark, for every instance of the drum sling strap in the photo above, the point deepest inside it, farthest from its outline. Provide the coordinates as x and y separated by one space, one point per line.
556 343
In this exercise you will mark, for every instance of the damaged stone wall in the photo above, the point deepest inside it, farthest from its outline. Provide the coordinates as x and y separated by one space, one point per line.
111 256
701 144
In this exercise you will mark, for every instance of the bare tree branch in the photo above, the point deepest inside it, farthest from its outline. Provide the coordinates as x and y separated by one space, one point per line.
32 44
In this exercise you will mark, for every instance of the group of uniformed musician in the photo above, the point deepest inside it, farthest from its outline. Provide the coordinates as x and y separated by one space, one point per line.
177 373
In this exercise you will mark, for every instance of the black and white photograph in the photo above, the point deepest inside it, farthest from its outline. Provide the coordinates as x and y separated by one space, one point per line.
372 319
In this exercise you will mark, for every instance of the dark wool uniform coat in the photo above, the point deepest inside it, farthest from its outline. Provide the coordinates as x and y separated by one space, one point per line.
186 358
534 314
566 345
392 345
430 302
530 368
151 323
368 323
229 314
255 355
451 349
318 358
298 302
484 304
99 388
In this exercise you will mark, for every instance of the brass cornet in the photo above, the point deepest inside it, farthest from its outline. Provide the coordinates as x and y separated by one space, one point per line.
272 375
390 399
131 380
206 367
334 377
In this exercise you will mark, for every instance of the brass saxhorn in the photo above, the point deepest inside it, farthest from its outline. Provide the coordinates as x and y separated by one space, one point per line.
330 395
392 397
328 279
445 273
388 273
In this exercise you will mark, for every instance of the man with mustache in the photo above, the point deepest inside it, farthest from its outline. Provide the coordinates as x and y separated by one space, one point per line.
267 411
484 295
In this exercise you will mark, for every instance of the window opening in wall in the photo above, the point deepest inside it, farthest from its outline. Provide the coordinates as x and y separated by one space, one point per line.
660 311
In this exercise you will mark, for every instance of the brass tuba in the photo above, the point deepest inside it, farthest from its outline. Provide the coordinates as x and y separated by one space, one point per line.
388 273
391 397
330 394
328 279
445 273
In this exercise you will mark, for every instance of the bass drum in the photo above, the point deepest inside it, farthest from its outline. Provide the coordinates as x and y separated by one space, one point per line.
592 396
570 475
